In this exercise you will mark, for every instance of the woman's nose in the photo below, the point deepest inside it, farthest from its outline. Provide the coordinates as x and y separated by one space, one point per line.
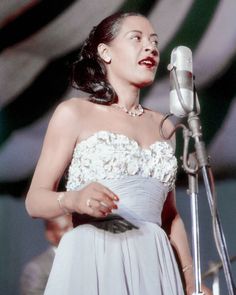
151 47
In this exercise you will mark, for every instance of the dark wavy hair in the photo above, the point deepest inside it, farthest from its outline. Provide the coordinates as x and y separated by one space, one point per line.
89 71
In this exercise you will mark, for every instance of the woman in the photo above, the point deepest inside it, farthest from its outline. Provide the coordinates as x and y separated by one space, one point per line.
120 186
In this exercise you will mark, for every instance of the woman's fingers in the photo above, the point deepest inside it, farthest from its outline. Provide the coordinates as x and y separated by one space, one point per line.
106 201
107 192
105 196
96 200
100 206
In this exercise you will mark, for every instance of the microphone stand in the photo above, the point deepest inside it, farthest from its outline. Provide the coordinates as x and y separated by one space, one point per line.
203 163
191 165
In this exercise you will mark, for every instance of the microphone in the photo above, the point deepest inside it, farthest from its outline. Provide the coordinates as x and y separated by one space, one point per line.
183 98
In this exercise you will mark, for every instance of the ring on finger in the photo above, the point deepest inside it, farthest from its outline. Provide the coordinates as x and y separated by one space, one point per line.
103 204
88 203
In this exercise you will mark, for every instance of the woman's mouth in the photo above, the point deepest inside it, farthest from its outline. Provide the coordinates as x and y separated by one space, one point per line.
148 62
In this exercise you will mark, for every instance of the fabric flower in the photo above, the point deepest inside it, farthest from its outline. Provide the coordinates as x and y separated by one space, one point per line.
108 155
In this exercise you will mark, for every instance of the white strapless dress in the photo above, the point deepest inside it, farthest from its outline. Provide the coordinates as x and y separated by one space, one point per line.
127 253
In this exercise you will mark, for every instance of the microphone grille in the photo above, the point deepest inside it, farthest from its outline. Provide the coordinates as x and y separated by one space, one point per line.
181 58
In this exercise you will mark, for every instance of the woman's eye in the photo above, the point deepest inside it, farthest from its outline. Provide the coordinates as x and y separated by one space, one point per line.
138 38
155 43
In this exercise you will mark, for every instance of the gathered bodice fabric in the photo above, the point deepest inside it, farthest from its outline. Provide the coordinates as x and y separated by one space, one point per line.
140 199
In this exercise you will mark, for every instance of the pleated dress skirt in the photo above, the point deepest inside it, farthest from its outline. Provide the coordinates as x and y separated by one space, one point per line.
127 254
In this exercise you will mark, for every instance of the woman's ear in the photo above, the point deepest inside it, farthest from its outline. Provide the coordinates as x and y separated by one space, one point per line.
103 51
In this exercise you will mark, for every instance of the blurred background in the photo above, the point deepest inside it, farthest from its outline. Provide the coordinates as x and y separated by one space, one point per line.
40 39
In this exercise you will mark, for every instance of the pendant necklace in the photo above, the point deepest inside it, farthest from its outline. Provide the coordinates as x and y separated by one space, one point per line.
138 111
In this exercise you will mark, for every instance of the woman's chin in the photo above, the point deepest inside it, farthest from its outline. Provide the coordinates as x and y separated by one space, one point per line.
147 80
145 83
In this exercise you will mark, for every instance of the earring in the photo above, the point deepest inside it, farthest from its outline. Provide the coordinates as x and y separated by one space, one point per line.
107 60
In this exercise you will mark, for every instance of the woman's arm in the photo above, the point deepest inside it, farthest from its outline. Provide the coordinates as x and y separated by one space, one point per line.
59 142
42 199
175 229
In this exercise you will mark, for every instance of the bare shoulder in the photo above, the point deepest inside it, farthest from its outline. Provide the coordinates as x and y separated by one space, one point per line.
73 106
67 118
71 110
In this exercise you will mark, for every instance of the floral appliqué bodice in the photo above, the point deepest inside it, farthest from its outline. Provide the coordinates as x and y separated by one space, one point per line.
108 155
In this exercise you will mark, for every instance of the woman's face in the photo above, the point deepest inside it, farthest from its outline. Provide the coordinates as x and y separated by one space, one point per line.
134 54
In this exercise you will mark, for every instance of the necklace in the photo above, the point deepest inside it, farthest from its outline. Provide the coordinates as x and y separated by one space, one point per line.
138 111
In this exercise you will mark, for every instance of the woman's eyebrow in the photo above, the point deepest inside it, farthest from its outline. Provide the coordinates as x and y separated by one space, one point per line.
140 32
153 35
133 31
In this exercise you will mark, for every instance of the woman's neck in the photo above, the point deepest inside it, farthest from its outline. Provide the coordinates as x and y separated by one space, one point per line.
128 96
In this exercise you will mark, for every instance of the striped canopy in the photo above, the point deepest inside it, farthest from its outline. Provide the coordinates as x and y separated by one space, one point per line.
39 39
